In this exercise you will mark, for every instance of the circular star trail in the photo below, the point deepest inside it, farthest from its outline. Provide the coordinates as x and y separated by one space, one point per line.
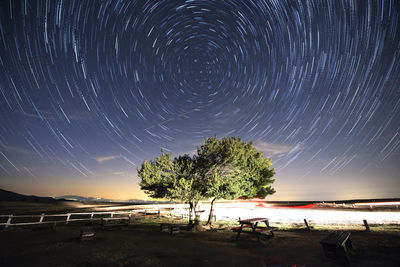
89 89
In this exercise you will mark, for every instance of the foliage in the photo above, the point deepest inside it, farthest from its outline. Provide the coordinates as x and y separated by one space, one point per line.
171 179
186 186
224 168
158 176
231 168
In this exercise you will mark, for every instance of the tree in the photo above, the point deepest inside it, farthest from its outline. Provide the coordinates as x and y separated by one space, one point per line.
186 185
157 176
224 168
172 179
230 169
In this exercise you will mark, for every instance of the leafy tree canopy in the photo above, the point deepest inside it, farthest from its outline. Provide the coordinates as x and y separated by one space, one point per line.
169 178
224 168
158 176
231 168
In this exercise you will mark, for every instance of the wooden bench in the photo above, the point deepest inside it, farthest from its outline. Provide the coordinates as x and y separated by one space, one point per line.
87 233
337 244
263 230
259 229
114 221
169 228
236 229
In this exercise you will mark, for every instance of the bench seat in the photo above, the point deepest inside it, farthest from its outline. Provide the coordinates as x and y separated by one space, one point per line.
87 233
114 221
265 229
235 229
172 229
337 244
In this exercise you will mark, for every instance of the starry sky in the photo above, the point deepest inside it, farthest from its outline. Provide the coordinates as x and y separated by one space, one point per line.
90 88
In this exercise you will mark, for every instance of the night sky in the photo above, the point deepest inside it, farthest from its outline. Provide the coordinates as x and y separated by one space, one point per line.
89 89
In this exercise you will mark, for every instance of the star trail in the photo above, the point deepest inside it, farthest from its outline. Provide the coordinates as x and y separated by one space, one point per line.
89 89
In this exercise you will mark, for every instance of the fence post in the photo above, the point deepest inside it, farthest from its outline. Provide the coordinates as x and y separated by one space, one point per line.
68 216
41 218
112 214
366 225
91 216
9 220
306 223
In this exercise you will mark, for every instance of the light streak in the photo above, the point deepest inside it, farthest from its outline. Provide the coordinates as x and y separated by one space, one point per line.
234 211
392 203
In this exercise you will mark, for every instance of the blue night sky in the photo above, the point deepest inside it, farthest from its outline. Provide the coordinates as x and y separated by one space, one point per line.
89 89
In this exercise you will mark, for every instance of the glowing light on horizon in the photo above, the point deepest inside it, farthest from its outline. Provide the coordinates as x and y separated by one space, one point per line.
391 203
234 211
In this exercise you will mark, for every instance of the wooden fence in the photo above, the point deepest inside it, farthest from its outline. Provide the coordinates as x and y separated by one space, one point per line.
74 217
98 216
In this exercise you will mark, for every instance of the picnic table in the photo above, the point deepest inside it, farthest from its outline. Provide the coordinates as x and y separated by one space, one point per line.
255 229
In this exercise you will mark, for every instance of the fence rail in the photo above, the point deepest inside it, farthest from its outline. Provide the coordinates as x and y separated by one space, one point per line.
15 220
69 217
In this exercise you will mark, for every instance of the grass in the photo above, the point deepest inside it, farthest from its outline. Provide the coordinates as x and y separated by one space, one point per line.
228 225
142 244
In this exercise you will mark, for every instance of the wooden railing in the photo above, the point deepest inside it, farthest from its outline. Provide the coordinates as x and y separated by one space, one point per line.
76 216
98 216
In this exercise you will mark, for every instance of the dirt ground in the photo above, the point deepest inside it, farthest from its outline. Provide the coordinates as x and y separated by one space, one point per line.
142 244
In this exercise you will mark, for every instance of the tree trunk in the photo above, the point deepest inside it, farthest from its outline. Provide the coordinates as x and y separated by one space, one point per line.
190 224
196 220
211 215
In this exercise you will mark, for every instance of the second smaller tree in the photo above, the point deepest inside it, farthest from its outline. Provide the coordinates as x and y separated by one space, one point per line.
171 179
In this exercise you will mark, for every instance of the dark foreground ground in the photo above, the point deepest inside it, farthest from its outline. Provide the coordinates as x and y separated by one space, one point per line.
142 244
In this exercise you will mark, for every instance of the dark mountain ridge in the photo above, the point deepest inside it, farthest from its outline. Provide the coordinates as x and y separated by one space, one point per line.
12 196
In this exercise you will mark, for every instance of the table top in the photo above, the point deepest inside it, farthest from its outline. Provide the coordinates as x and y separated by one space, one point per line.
253 220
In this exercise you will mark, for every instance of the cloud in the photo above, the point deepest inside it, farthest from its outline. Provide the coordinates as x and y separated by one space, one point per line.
39 114
15 149
271 149
78 115
107 158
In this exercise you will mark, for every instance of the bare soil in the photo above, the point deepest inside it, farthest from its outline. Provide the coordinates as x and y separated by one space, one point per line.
142 244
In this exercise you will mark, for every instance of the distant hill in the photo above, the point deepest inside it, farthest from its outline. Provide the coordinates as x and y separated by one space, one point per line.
78 198
88 199
11 196
96 199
